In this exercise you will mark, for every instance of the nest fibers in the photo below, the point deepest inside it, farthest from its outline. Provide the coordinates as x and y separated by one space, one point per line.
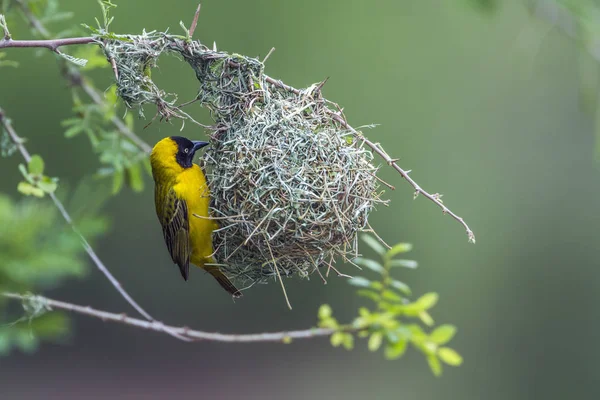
290 188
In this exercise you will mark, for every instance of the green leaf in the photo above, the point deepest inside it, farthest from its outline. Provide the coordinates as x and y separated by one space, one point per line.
428 300
371 264
450 356
36 165
426 318
118 179
325 311
348 341
389 295
403 263
73 131
328 323
401 286
374 244
28 189
434 364
370 294
396 350
359 281
399 248
375 341
442 334
47 184
134 173
337 339
26 341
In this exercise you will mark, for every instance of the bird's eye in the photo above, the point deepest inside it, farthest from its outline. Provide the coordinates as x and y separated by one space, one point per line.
186 150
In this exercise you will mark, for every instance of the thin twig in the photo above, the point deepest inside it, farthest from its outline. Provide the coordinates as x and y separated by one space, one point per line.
19 142
281 337
52 44
195 21
287 300
268 55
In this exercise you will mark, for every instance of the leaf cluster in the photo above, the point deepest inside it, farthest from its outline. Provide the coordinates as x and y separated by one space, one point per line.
36 183
393 321
37 251
121 160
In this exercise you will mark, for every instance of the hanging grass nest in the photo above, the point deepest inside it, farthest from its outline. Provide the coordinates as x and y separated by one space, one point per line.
290 187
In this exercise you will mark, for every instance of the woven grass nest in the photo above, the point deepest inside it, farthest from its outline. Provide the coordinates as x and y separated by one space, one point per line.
290 188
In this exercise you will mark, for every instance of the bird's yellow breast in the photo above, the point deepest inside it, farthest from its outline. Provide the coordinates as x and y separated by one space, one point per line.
190 185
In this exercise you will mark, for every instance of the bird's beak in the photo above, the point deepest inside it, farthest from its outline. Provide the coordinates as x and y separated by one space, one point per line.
198 145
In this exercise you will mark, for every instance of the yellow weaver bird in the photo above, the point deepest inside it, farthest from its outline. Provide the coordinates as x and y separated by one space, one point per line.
181 191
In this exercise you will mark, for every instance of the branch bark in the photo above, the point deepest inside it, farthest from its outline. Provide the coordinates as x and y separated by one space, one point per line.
281 337
52 44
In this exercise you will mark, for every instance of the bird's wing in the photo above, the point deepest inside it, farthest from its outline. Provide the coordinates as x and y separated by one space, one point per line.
173 215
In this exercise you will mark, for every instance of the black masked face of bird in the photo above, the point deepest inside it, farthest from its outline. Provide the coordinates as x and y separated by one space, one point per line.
172 155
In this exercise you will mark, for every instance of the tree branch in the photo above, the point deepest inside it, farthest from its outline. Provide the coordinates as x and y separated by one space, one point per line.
19 142
52 44
282 337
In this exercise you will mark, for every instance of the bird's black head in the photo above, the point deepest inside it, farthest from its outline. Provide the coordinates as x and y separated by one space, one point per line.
186 149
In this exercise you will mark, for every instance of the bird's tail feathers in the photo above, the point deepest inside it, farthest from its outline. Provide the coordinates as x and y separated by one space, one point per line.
224 281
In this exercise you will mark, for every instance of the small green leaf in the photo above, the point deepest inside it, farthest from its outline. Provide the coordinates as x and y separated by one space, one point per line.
426 318
348 341
136 181
359 281
364 312
442 334
325 311
374 244
36 165
401 286
28 189
376 285
337 339
73 131
371 264
399 248
370 294
396 350
428 300
434 364
403 263
450 356
375 341
26 341
389 295
328 323
118 179
47 184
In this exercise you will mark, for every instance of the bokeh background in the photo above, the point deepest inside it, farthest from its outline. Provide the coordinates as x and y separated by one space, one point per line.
484 108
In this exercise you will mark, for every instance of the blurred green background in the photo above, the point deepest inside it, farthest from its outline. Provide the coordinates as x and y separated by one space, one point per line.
480 112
